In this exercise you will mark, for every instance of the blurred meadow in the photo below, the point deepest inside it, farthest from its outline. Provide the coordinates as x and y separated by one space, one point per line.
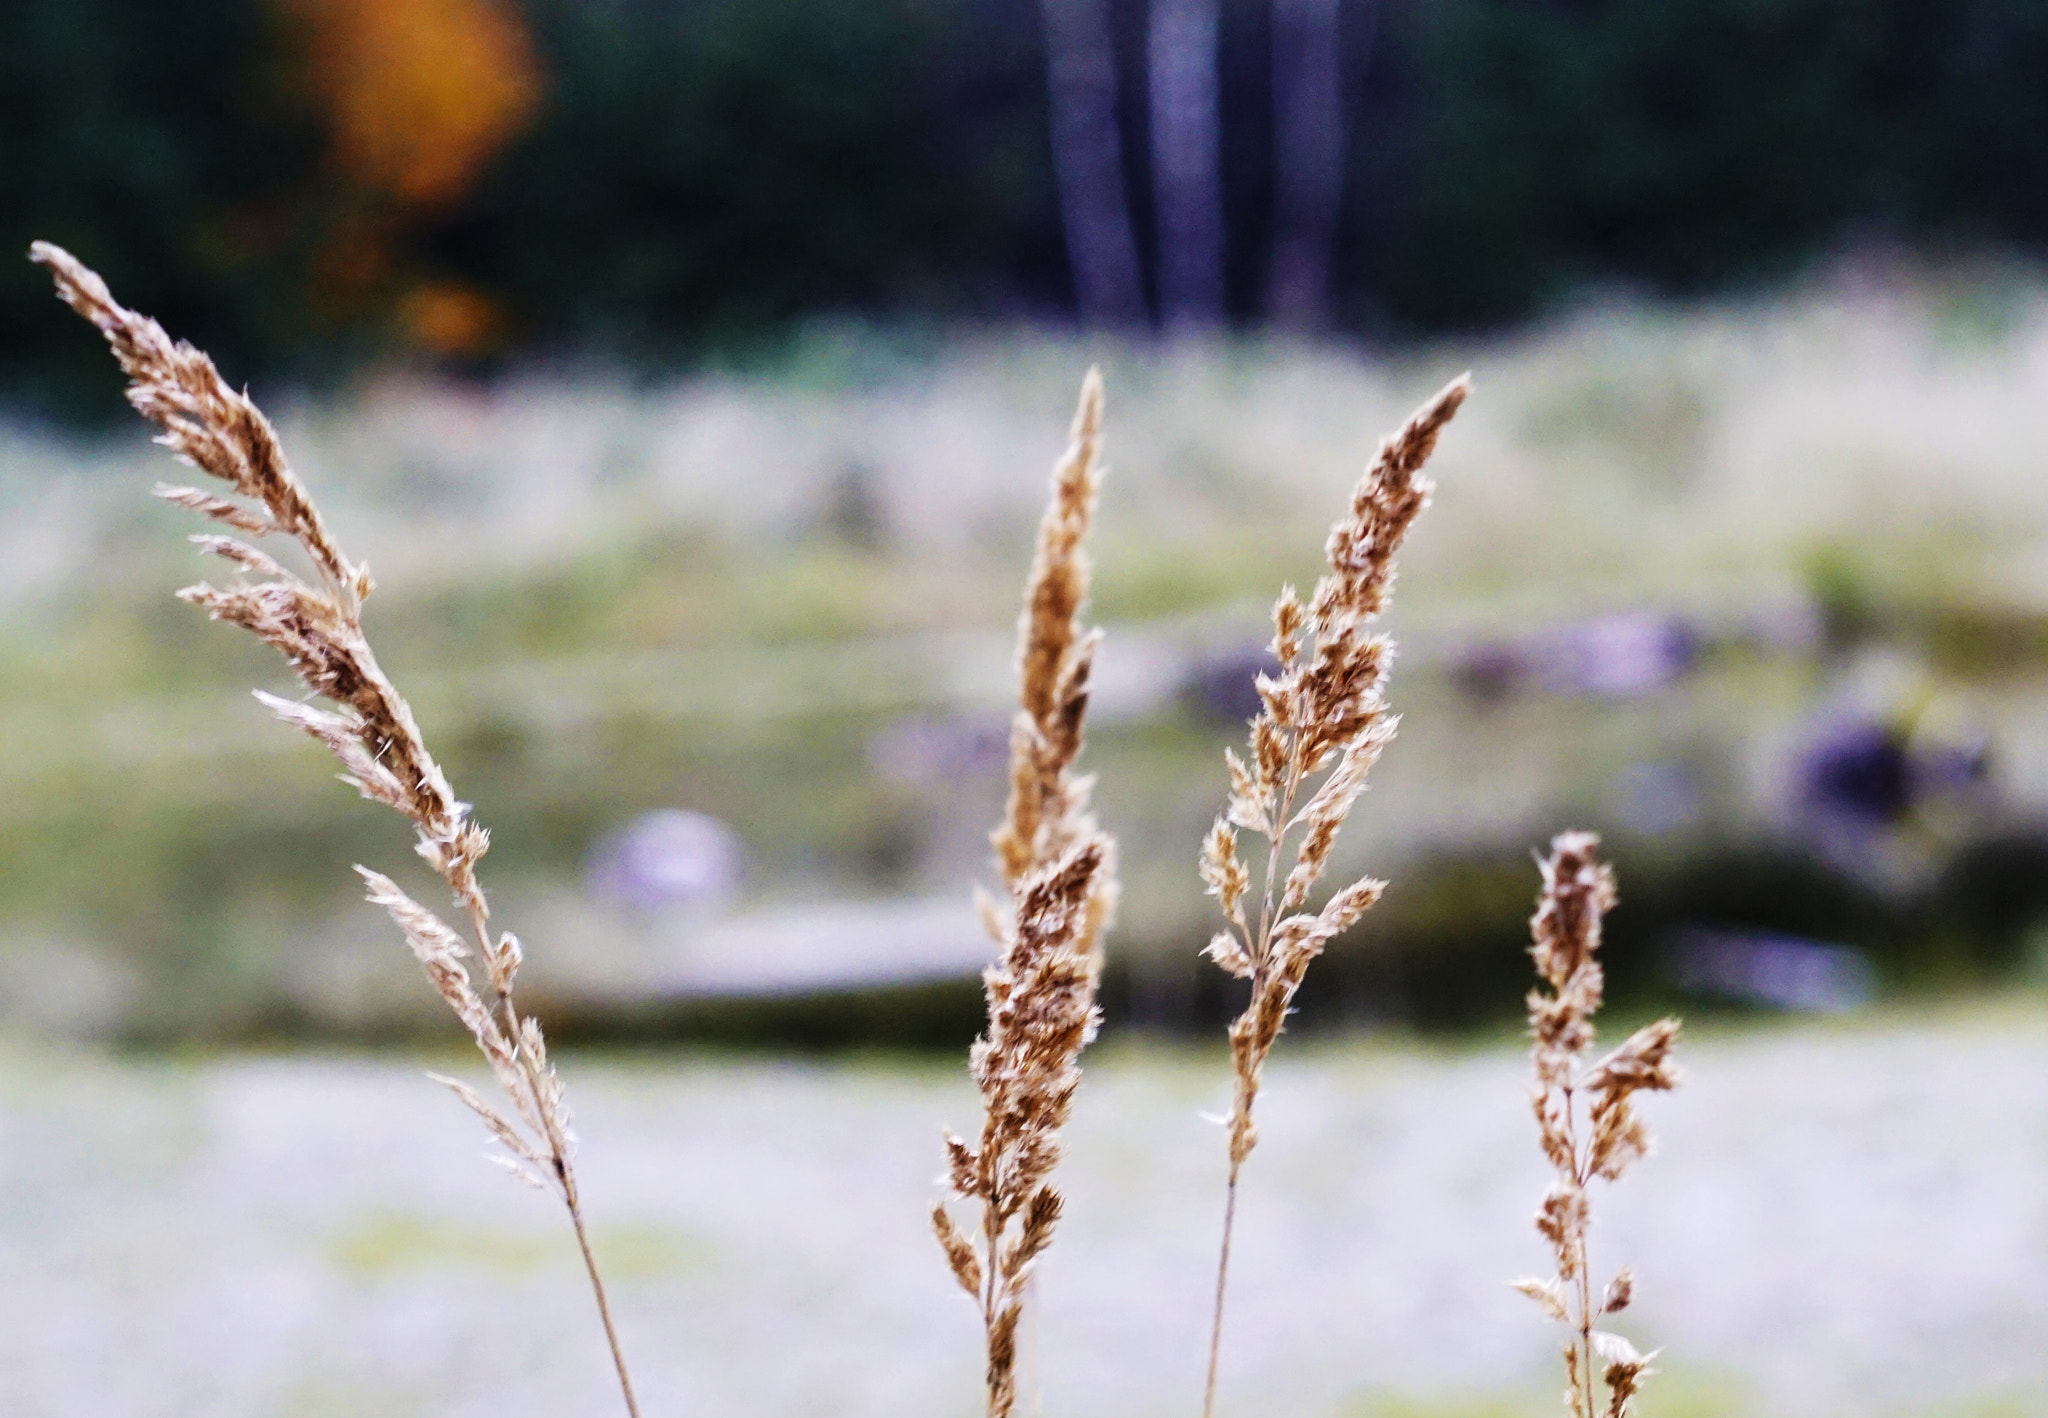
688 372
1674 552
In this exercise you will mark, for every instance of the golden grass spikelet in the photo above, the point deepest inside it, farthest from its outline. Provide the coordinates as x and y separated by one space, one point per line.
1322 712
316 625
1585 1120
1042 1013
1059 877
1047 814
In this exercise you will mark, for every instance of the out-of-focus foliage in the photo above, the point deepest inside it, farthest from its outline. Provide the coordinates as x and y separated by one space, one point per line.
1684 143
289 183
295 182
704 171
157 138
417 94
416 98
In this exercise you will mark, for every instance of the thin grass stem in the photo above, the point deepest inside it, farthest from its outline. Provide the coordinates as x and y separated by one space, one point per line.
604 1310
1222 1281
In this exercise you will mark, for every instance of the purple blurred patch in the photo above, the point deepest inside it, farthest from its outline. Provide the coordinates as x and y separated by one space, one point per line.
1867 771
927 750
1221 686
1619 656
1490 671
1782 971
1657 797
667 859
1857 769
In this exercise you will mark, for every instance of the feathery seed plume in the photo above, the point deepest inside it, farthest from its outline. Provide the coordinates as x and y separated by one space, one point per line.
1059 877
1601 1139
1324 712
317 626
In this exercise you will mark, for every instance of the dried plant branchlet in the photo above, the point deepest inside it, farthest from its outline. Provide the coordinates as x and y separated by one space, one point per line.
317 626
1586 1120
1059 877
1325 714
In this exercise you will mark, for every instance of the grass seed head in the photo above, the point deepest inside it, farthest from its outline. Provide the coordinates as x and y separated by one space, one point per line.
1585 1120
1059 894
316 625
1323 710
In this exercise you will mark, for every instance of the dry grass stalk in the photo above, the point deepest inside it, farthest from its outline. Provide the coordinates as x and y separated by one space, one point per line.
317 626
1059 878
1323 713
1588 1125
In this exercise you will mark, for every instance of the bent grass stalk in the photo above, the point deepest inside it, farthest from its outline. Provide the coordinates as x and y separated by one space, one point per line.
1325 712
317 626
1588 1126
1059 879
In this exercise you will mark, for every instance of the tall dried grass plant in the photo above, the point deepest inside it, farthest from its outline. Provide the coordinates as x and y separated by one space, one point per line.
317 626
1325 712
1586 1120
1323 723
1059 891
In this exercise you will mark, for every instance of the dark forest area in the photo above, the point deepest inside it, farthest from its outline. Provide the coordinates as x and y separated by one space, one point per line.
303 184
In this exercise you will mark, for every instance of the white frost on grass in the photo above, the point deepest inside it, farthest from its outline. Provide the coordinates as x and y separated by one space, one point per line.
1838 1222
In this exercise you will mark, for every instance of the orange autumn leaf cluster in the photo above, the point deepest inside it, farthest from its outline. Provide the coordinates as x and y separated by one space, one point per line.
417 95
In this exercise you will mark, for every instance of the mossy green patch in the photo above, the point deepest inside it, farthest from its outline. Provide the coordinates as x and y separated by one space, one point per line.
398 1242
345 1394
395 1243
1676 1393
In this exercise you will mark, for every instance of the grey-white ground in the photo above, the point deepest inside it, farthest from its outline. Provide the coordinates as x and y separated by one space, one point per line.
1839 1221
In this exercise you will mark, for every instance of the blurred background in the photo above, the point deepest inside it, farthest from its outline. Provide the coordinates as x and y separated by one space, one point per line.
689 372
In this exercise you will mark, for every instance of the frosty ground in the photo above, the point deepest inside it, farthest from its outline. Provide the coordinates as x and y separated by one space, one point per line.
1843 1219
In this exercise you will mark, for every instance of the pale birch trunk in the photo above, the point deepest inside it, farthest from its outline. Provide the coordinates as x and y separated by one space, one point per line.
1187 167
1088 162
1308 160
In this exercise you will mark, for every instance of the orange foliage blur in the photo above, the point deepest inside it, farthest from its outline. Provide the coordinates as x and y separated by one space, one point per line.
450 318
416 97
417 94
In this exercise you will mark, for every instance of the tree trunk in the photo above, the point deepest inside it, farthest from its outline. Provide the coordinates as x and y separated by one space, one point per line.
1308 160
1187 169
1088 162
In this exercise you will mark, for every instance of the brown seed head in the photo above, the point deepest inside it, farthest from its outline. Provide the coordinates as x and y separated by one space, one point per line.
1324 709
316 626
1059 878
1577 890
1584 1117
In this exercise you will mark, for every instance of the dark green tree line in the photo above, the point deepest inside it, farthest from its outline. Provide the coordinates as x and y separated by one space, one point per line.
698 174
